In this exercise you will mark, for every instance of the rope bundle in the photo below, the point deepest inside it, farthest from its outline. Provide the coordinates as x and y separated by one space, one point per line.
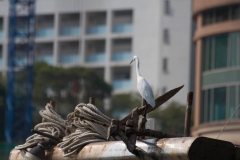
86 131
52 124
74 132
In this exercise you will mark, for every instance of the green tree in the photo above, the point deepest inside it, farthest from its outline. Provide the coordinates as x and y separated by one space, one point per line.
67 87
123 104
171 118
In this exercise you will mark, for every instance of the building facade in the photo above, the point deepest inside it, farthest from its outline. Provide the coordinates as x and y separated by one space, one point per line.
217 78
105 34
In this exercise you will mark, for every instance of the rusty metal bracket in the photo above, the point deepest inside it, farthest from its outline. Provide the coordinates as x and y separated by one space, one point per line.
133 125
158 102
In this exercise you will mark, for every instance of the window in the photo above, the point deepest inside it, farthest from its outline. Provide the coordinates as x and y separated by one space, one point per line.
122 21
214 106
233 47
221 14
167 7
221 44
166 36
219 104
165 65
232 101
96 22
235 12
208 17
221 51
206 106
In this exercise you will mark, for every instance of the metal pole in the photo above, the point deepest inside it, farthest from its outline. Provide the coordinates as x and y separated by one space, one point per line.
53 104
188 114
92 100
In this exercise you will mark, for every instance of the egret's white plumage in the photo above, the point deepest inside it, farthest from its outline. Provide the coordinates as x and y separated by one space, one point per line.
142 85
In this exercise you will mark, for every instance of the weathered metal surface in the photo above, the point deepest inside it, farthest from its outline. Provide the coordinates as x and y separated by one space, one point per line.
15 155
186 148
174 148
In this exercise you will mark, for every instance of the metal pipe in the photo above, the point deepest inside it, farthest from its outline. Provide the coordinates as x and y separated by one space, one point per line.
188 112
185 148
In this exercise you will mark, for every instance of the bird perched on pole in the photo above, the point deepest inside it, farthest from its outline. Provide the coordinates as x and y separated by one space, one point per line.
142 85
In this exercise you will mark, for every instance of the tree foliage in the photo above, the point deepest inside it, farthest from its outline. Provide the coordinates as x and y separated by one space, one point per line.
171 118
123 104
67 87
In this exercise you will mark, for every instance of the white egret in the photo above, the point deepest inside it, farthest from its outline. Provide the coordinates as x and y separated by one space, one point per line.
142 85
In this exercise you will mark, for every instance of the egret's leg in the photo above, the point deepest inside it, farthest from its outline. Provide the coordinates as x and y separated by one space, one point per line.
146 106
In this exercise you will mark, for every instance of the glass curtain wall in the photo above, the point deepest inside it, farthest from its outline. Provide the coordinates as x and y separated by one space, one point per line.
220 53
221 14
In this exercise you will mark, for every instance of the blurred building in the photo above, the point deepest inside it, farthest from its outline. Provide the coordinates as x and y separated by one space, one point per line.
217 86
105 34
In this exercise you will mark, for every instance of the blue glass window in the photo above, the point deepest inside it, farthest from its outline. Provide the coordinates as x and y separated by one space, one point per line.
219 103
221 51
232 100
122 56
233 48
221 43
206 108
96 57
70 31
122 84
123 28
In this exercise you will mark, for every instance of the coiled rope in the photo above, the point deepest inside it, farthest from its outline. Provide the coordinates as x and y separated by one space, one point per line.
52 124
74 132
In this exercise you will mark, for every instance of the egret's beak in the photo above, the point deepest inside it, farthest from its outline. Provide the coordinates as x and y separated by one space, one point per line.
131 61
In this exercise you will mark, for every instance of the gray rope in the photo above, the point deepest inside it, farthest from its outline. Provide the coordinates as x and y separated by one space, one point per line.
86 132
74 132
52 123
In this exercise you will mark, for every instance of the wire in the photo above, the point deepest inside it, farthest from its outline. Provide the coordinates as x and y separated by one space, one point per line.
228 122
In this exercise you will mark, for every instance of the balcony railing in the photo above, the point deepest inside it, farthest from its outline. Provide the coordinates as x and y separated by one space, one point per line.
1 34
97 29
45 32
70 31
96 57
123 28
122 56
45 58
121 84
21 61
70 59
21 31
